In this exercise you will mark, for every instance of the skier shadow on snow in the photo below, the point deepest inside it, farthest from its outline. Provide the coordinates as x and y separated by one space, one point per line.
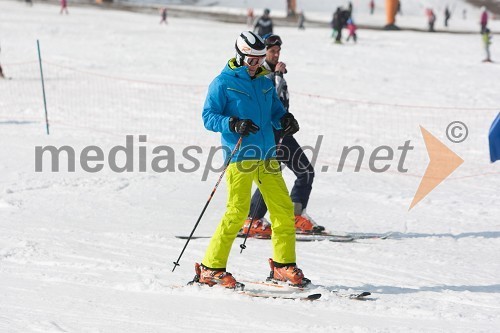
491 289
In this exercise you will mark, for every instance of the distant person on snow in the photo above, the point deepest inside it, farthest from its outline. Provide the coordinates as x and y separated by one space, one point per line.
484 19
291 155
447 15
336 25
163 14
2 76
250 17
431 19
351 27
338 22
372 7
64 7
264 24
243 106
302 20
487 42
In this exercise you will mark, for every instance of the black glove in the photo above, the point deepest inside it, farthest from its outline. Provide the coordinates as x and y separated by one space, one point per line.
289 124
243 126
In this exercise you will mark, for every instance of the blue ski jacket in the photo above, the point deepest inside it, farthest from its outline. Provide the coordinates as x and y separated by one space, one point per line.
233 93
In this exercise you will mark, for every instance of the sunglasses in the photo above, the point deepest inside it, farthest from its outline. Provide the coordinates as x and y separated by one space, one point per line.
273 40
252 60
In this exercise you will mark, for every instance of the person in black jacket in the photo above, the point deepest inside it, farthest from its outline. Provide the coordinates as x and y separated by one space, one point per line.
264 24
339 22
292 156
447 15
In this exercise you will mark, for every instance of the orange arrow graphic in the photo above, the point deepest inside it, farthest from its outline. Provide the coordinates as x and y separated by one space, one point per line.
442 163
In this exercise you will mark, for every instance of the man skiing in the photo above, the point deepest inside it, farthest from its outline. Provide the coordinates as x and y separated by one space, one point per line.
242 103
291 155
264 24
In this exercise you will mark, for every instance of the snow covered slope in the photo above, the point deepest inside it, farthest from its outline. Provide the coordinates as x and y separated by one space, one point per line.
93 252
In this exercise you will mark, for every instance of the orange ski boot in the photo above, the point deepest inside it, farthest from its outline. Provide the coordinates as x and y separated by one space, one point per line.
306 225
212 277
288 273
261 228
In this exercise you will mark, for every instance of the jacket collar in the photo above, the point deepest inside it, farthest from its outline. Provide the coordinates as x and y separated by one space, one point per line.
241 71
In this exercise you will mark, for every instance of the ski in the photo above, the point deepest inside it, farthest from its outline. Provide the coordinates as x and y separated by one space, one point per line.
353 235
319 237
358 295
305 237
309 237
240 289
311 297
298 238
364 235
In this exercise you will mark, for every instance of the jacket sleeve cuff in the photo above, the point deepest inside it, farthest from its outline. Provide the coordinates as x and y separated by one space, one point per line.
225 125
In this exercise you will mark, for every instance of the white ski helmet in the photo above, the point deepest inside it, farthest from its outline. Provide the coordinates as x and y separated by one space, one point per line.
249 44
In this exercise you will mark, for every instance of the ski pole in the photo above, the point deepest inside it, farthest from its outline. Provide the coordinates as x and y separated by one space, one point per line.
242 245
238 144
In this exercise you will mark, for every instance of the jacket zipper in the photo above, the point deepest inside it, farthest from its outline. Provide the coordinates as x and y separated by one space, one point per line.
239 91
261 132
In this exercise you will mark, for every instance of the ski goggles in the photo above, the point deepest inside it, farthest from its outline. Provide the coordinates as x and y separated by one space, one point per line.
273 40
253 60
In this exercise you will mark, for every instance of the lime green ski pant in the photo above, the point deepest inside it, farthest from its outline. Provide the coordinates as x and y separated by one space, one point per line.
240 176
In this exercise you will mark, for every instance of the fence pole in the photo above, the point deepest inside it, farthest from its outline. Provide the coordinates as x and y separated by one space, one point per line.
43 87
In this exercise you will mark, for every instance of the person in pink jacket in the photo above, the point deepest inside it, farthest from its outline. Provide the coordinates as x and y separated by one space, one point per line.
484 19
351 27
64 7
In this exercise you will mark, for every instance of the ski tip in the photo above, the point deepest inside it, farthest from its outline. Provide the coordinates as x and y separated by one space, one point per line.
360 295
341 239
192 237
313 297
